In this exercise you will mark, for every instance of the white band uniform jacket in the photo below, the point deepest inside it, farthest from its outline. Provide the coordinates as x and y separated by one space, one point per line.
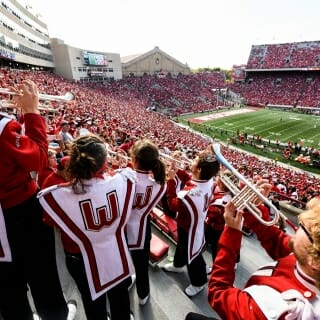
96 220
197 200
147 195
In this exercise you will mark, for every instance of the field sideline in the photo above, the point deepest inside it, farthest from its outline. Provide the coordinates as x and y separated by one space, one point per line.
270 124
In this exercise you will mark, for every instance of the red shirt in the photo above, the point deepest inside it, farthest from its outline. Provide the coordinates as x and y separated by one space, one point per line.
21 154
275 189
43 174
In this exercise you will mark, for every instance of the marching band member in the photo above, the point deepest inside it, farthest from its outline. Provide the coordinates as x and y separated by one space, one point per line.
92 211
149 190
27 246
192 203
58 176
288 288
49 168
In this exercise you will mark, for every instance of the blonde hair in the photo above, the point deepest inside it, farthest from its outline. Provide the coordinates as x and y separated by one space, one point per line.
311 217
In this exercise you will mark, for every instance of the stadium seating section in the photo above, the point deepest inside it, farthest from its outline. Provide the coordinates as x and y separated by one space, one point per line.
119 109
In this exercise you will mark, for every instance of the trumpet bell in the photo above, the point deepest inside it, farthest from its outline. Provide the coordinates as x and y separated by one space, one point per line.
69 96
248 196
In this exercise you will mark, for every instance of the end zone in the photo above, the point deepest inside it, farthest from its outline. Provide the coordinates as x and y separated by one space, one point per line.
219 115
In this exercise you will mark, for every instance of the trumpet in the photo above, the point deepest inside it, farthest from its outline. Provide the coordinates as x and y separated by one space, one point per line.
121 158
67 97
183 161
249 194
124 159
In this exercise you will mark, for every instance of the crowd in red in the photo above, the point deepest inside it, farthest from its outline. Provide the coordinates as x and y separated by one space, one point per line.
282 88
182 94
287 55
286 86
118 112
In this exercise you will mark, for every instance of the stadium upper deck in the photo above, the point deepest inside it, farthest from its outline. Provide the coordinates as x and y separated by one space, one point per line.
292 56
281 74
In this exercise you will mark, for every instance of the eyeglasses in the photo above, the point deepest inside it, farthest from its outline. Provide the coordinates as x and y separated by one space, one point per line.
211 158
301 225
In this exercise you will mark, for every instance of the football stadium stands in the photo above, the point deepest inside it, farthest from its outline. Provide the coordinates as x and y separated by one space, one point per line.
124 110
282 74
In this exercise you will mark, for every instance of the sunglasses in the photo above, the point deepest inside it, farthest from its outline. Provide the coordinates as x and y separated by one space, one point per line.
301 225
208 157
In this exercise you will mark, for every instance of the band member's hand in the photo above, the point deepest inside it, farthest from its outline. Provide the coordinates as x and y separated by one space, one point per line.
265 188
28 99
232 217
172 170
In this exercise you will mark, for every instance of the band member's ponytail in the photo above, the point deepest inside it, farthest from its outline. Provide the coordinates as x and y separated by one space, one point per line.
159 172
145 155
87 157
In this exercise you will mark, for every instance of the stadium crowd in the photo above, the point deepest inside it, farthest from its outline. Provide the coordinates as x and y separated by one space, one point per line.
287 55
121 115
118 115
117 112
286 86
283 88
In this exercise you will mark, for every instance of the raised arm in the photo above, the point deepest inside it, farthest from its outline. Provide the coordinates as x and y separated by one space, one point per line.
29 150
230 302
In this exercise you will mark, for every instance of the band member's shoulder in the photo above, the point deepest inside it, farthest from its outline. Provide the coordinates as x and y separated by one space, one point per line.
45 191
4 121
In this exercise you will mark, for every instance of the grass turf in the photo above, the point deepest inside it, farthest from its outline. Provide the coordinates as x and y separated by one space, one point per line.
272 125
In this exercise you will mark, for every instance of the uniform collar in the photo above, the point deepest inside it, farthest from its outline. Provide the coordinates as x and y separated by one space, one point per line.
306 280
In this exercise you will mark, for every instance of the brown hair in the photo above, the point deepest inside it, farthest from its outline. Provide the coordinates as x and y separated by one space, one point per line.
87 155
146 155
208 164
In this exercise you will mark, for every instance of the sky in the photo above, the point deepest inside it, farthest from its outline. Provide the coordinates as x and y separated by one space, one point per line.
201 33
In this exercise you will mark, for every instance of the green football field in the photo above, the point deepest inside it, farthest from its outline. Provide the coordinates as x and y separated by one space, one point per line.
270 124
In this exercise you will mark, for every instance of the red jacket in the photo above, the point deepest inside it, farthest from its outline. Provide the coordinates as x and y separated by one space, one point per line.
43 174
233 303
21 154
176 205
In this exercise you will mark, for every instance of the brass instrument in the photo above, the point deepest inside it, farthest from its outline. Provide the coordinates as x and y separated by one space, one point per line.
183 162
48 97
247 197
121 159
